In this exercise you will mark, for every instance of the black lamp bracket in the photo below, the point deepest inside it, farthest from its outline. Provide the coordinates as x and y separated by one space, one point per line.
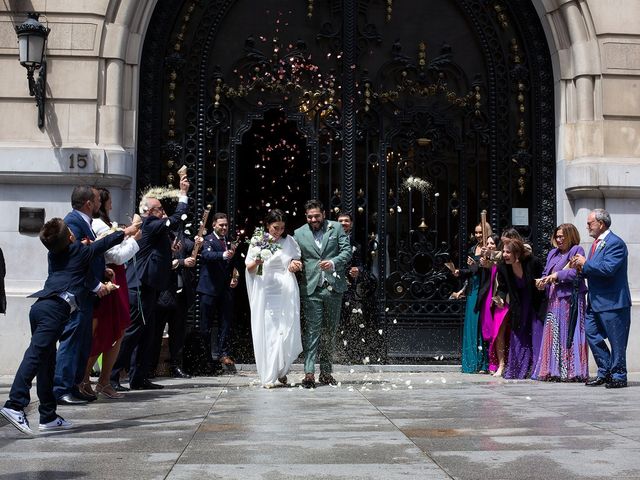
37 88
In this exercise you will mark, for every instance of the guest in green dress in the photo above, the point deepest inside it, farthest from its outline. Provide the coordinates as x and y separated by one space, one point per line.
474 348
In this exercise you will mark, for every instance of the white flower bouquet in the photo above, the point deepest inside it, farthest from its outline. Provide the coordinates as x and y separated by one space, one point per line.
262 246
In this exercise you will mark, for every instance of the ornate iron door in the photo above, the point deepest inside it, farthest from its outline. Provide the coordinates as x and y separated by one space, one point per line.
411 116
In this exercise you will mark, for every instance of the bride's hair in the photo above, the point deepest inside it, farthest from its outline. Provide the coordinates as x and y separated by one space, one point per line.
275 215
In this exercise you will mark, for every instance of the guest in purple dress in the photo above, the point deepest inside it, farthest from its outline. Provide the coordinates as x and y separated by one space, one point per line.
516 286
498 310
563 359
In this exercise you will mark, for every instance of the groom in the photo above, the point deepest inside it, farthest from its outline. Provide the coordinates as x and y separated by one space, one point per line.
326 251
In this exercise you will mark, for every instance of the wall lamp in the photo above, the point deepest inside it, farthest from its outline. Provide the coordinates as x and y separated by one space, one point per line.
32 39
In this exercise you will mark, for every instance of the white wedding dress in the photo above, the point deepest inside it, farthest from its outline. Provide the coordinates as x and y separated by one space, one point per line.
275 313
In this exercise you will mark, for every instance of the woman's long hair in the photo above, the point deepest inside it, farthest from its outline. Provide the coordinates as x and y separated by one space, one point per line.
105 195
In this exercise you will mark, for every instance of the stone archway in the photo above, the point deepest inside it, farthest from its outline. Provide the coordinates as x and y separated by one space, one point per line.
159 138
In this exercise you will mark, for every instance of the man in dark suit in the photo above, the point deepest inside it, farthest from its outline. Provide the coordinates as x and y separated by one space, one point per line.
63 292
609 301
147 275
75 342
350 320
218 279
354 269
174 304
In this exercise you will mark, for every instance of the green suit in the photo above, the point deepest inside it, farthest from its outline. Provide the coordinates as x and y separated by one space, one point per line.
321 292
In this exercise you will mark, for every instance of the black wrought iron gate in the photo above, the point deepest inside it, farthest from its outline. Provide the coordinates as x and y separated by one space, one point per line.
413 116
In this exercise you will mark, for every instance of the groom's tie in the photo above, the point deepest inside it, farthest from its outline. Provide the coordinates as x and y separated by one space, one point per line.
593 247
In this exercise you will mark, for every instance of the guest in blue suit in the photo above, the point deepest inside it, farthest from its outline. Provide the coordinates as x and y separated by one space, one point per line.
69 270
75 342
609 309
218 279
147 275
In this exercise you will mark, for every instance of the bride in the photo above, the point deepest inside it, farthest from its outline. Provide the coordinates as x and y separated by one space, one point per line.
275 301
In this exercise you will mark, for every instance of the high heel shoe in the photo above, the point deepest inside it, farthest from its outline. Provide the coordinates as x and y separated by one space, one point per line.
108 391
84 389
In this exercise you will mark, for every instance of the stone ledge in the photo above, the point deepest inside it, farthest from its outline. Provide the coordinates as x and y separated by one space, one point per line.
602 178
65 166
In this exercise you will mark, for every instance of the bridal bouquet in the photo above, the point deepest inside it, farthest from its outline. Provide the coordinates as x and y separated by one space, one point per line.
262 246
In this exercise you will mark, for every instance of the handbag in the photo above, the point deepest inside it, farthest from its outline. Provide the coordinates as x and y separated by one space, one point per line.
496 299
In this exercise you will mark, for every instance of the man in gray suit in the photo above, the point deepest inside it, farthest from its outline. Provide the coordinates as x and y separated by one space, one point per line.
326 252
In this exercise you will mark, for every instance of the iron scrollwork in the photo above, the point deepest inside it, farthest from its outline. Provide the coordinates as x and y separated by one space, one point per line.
386 113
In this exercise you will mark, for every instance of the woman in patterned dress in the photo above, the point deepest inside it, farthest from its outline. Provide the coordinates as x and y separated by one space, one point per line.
562 358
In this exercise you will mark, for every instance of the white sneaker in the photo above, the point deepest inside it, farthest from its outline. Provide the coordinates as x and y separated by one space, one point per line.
58 424
17 418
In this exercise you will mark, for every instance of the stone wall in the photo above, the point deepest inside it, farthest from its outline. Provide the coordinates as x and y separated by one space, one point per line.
93 52
597 60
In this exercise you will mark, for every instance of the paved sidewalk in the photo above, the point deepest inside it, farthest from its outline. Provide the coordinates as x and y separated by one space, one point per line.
389 425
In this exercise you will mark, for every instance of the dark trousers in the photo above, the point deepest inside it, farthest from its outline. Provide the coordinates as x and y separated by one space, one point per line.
222 305
613 325
136 349
176 316
74 349
48 317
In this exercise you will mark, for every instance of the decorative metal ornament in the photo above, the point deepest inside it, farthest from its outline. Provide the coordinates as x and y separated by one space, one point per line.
32 41
385 114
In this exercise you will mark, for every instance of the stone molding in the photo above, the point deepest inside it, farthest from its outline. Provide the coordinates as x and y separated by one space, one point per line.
621 56
67 166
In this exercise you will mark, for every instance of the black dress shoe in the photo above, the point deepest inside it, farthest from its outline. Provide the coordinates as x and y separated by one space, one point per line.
176 372
70 399
228 365
616 384
118 387
308 382
229 370
145 385
595 382
327 379
213 369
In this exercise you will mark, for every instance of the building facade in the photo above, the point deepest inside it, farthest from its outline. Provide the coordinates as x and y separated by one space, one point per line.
414 118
